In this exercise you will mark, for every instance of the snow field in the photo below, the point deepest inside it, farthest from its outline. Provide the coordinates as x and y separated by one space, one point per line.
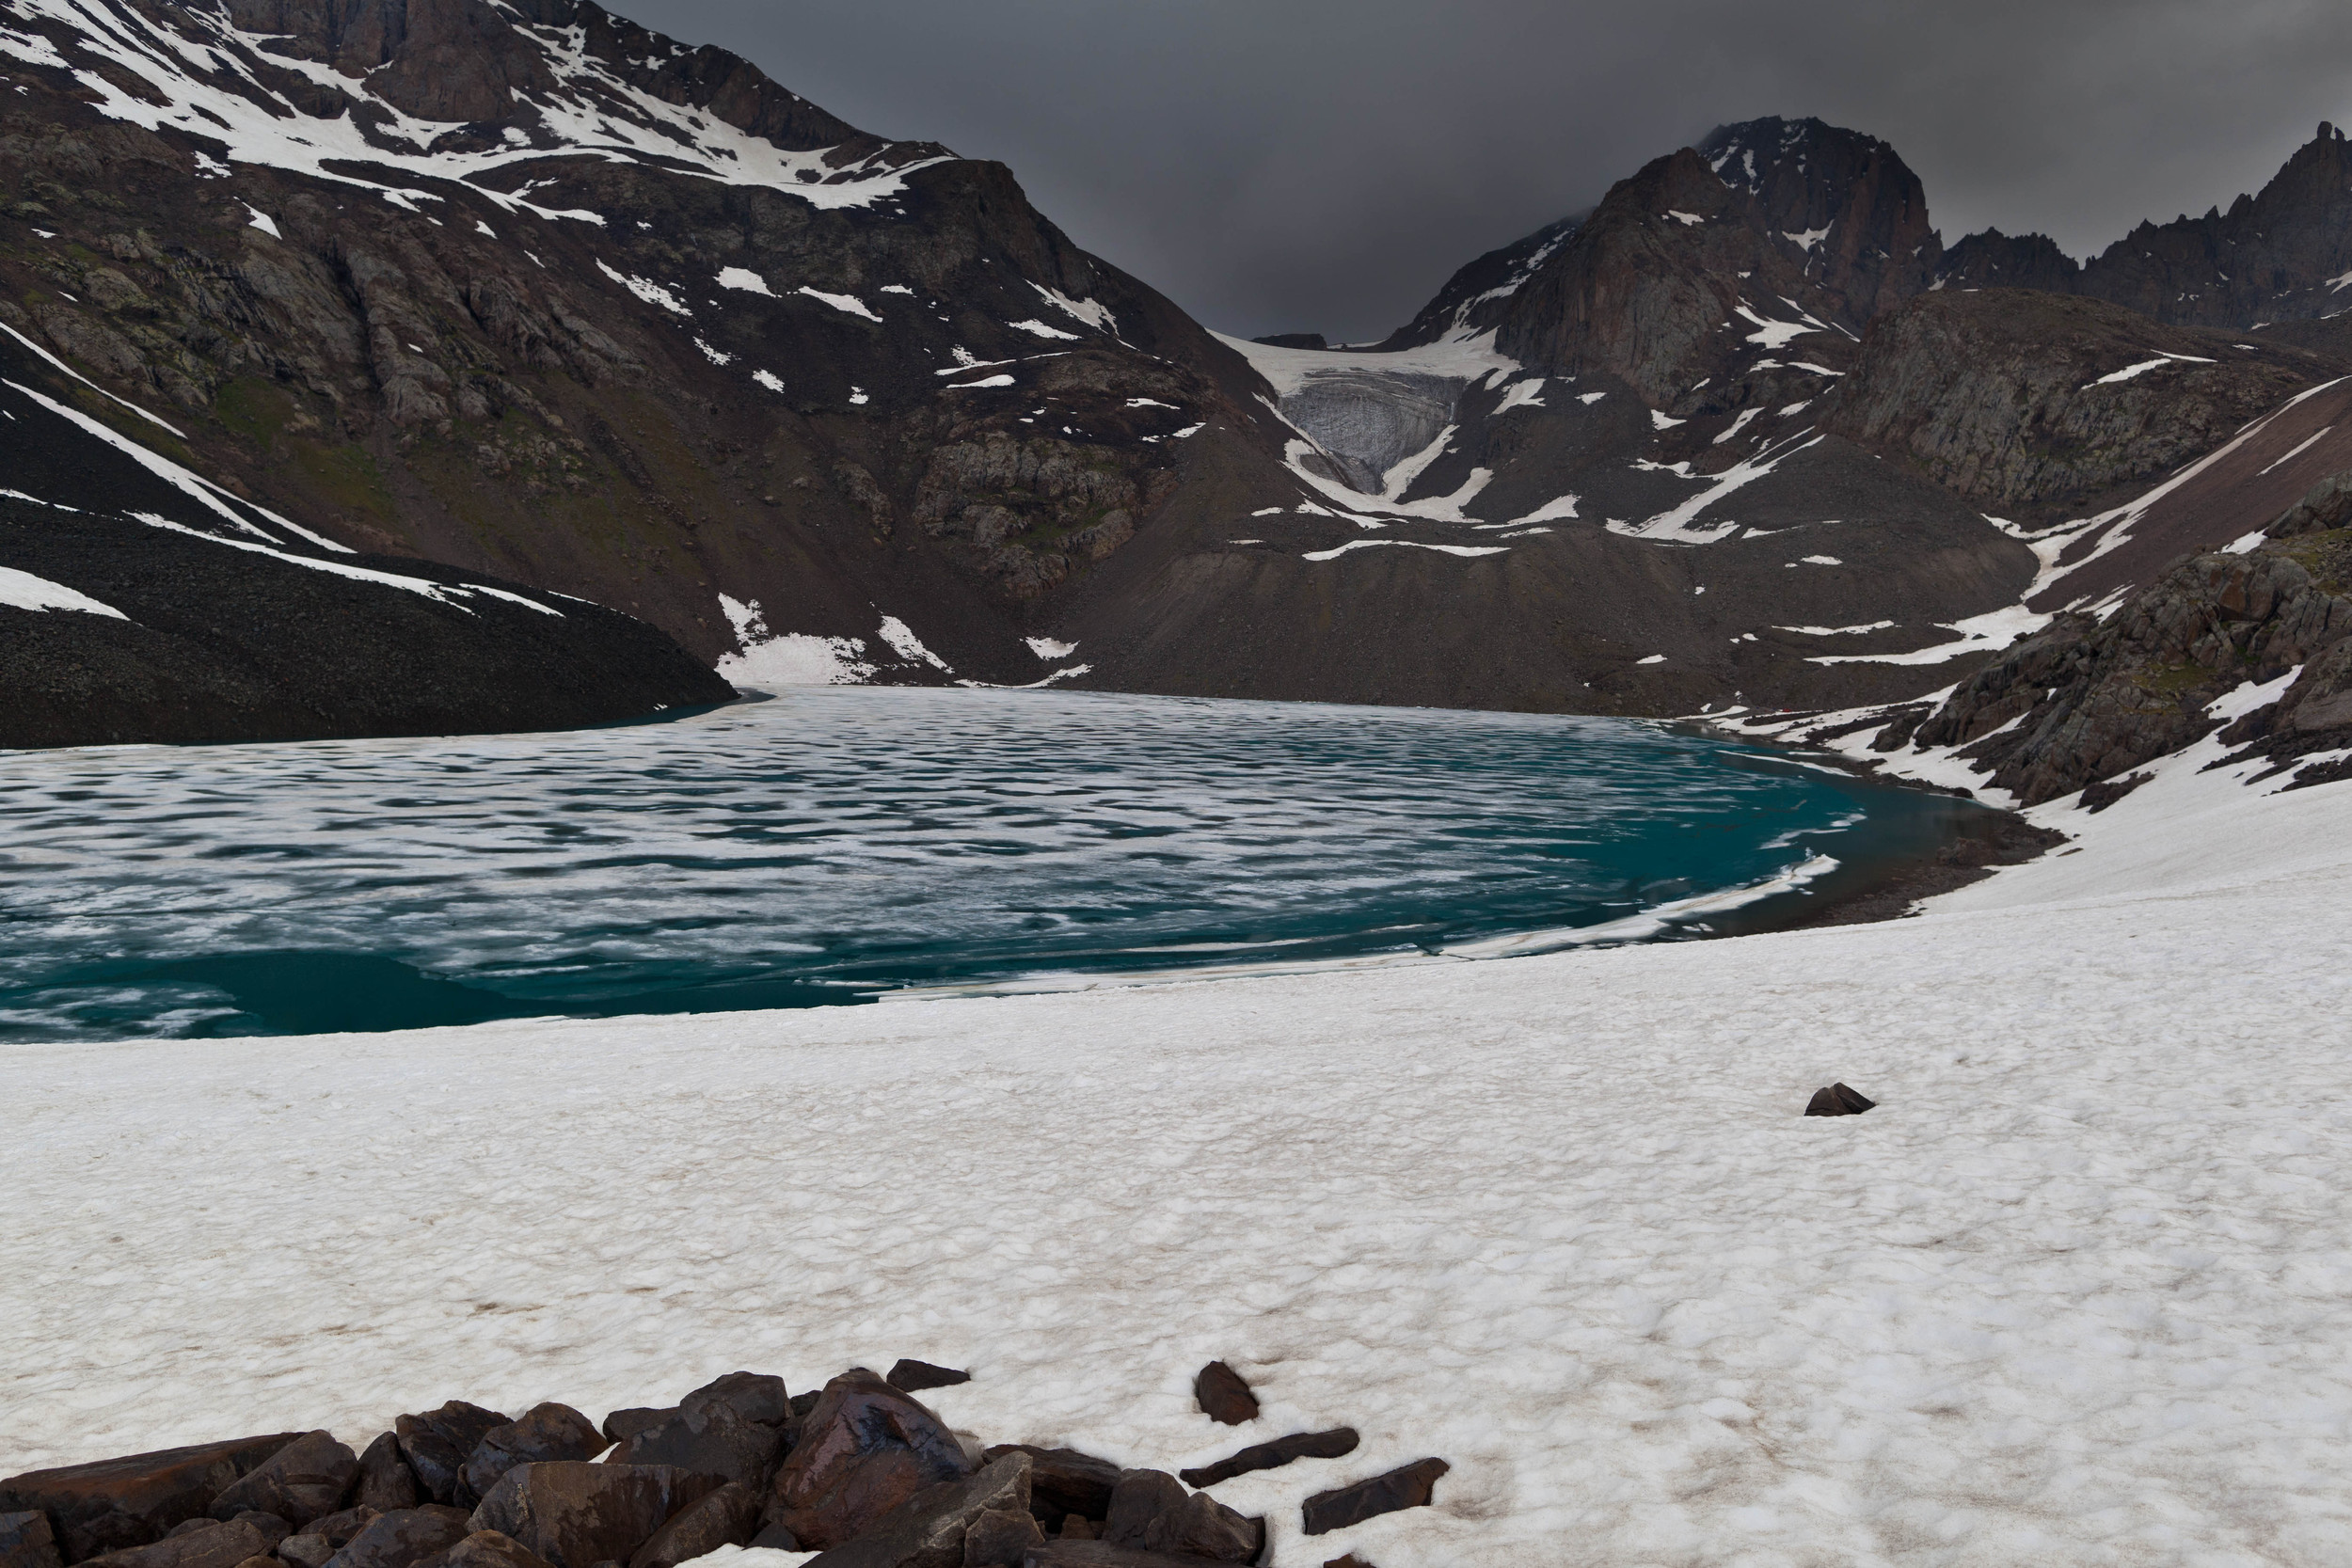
2077 1292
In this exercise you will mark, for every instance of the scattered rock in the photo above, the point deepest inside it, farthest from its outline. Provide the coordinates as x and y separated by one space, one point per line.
273 1529
385 1481
1408 1486
1001 1537
753 1396
622 1425
576 1515
864 1449
1224 1395
1838 1101
437 1444
211 1545
547 1432
115 1503
1063 1482
306 1480
403 1536
306 1550
726 1517
486 1548
1350 1560
712 1438
2099 797
28 1541
339 1527
928 1529
1150 1512
1269 1456
912 1377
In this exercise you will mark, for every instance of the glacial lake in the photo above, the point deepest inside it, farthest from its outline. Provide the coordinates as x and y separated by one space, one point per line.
839 846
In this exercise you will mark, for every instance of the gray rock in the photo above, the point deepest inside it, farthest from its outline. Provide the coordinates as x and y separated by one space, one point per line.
578 1514
927 1531
726 1517
114 1504
401 1537
306 1550
546 1432
28 1541
306 1480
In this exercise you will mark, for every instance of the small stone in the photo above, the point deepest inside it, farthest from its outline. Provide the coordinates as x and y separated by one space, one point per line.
1077 1526
1838 1101
28 1541
1064 1481
576 1514
437 1443
1224 1395
401 1537
114 1504
726 1517
1408 1486
1334 1443
385 1481
306 1480
864 1449
1000 1538
912 1377
546 1432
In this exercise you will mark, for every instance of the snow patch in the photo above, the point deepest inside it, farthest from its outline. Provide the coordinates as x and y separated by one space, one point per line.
256 218
23 591
1038 328
646 290
745 279
1049 649
849 305
1337 551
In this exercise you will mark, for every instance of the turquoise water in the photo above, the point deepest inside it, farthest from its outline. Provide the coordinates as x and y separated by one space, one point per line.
833 846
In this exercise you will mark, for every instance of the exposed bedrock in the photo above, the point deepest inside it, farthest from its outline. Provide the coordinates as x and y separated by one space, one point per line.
1372 420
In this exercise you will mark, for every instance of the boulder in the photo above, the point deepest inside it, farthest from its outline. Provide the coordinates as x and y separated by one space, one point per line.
306 1550
576 1515
486 1548
385 1481
114 1504
927 1531
755 1396
211 1545
546 1432
1224 1395
1150 1512
726 1517
620 1425
1408 1486
273 1529
1001 1537
306 1480
1350 1560
1271 1456
437 1444
912 1377
775 1537
1838 1101
1063 1482
864 1449
339 1527
710 1439
28 1541
1101 1553
401 1537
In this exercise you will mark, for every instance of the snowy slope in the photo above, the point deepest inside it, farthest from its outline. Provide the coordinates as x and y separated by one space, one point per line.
2076 1293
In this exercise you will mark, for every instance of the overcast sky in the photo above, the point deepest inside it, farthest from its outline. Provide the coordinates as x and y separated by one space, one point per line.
1323 165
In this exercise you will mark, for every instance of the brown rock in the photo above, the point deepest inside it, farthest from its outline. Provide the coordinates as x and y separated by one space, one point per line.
1077 1526
927 1531
1000 1538
401 1537
306 1550
546 1432
712 1439
864 1449
776 1538
1150 1512
1838 1101
1350 1560
576 1514
1064 1481
211 1545
437 1444
306 1480
339 1527
1271 1456
1102 1554
1408 1486
28 1541
912 1377
620 1425
385 1481
726 1517
755 1396
1224 1395
115 1503
486 1548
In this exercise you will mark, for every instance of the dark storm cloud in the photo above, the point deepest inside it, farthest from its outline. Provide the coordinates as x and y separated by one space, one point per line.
1313 165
